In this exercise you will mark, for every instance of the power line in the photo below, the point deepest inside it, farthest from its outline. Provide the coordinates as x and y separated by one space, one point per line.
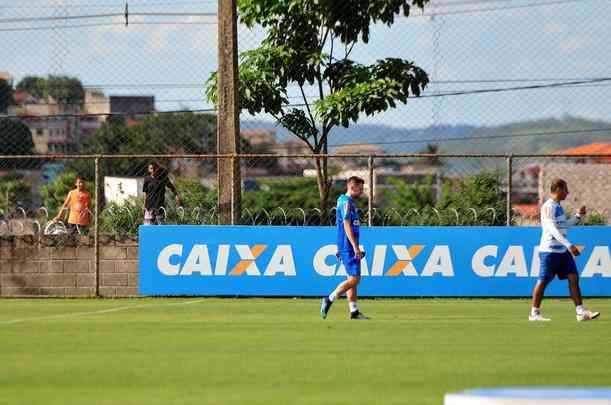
584 83
569 84
120 113
214 14
519 88
121 5
101 15
47 28
474 81
493 9
58 18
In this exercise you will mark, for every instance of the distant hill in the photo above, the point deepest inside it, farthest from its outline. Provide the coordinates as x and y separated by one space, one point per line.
536 136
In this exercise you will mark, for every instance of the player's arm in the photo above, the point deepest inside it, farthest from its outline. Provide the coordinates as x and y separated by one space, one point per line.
145 191
548 222
348 229
351 237
577 217
172 188
62 208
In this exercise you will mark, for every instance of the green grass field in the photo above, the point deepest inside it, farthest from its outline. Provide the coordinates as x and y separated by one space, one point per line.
265 351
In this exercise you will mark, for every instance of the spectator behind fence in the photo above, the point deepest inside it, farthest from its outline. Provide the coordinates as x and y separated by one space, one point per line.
77 203
154 194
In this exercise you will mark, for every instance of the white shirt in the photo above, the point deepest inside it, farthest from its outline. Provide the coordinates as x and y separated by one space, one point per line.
554 226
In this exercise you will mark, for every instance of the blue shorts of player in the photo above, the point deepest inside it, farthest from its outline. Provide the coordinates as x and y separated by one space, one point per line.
556 264
350 262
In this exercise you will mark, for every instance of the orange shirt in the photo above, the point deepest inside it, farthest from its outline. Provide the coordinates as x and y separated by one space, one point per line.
78 203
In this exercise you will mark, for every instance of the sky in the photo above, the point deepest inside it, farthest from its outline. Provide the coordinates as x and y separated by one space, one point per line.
464 45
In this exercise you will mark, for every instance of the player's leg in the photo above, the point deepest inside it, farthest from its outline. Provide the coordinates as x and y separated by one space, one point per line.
538 292
546 274
341 288
352 295
582 313
353 271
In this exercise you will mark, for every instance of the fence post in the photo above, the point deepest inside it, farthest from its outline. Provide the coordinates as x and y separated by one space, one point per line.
371 192
509 187
233 190
96 227
228 116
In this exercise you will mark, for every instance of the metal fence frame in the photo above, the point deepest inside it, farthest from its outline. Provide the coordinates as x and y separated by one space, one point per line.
98 158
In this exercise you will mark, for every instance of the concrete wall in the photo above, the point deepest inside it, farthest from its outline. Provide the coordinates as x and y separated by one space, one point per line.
60 266
589 185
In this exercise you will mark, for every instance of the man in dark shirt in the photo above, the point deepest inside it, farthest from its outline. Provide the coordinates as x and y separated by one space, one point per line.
154 194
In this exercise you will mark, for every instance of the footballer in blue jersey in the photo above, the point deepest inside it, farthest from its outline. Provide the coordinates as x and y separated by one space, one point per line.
349 252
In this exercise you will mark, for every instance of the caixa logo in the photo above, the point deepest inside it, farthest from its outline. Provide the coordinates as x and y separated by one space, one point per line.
381 261
173 260
491 261
389 260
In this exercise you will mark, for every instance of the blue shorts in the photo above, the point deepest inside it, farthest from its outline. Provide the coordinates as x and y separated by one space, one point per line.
350 262
556 264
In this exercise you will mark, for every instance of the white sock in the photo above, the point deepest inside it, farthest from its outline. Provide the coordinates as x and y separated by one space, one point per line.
579 309
332 296
535 311
353 306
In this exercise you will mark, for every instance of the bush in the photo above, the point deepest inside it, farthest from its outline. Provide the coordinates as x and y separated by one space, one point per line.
14 192
595 218
122 219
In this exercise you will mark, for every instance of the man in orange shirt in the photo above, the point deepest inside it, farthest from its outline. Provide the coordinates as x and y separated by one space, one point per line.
77 202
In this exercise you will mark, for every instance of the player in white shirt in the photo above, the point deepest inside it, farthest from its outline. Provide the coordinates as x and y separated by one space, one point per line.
556 253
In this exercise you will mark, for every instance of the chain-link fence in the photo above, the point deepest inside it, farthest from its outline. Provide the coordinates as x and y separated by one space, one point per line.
506 76
41 195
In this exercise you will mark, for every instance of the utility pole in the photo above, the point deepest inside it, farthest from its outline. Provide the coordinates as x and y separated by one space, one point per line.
228 118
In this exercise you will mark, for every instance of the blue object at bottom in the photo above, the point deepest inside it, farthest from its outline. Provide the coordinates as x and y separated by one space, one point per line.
544 393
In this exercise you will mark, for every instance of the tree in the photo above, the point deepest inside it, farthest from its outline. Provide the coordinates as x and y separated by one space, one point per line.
163 133
14 192
33 85
6 95
65 90
432 149
15 138
307 46
480 192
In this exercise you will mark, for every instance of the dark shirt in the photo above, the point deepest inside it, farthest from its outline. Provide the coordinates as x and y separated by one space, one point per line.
154 187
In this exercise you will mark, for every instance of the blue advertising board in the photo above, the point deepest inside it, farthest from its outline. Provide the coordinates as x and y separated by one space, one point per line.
400 261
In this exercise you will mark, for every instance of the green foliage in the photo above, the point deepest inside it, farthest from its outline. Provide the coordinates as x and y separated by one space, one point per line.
368 89
163 133
54 193
33 85
193 194
6 95
14 192
595 218
64 89
122 219
481 191
15 138
475 200
300 48
406 196
287 194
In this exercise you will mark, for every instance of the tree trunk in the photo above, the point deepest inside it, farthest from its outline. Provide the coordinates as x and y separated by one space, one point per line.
323 189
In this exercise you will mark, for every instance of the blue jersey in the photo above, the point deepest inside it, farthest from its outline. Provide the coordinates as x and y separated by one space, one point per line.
346 210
